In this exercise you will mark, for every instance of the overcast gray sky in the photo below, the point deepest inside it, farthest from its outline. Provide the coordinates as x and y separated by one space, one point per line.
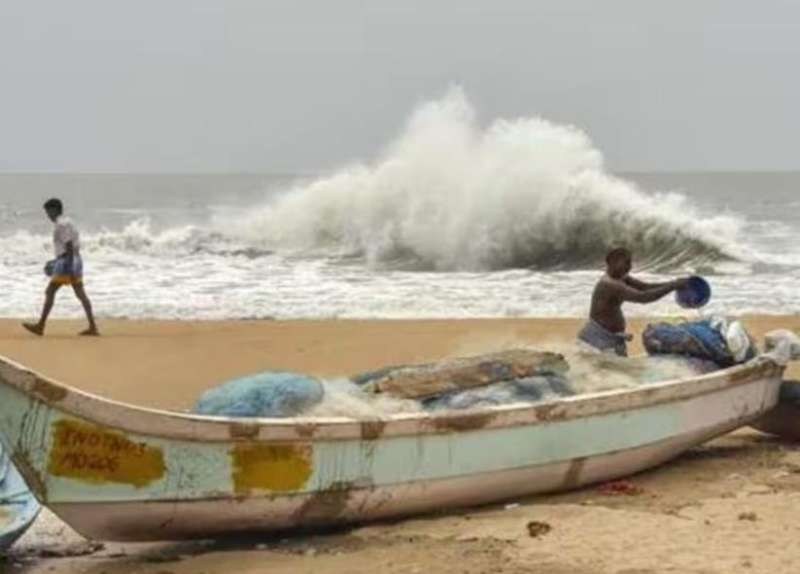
254 85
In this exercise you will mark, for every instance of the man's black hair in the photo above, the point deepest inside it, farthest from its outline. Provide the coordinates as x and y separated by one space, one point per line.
616 253
55 204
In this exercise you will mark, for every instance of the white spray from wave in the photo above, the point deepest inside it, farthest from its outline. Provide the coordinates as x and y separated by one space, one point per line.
449 195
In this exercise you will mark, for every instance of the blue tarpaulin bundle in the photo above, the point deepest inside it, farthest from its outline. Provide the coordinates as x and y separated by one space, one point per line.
267 394
699 339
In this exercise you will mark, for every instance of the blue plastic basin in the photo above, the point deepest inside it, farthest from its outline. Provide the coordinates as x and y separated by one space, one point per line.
696 294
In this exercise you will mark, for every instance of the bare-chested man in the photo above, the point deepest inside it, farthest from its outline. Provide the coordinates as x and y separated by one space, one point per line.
605 330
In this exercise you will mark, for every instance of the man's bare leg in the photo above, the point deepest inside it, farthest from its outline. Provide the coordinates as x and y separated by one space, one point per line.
80 293
49 299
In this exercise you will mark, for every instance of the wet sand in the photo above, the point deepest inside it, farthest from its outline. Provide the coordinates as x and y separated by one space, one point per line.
728 506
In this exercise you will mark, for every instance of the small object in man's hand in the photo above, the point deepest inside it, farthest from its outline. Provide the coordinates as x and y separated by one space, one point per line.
49 267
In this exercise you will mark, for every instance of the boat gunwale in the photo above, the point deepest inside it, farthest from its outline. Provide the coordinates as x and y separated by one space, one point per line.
175 425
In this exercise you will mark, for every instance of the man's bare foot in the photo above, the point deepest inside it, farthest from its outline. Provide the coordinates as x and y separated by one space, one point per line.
90 332
34 328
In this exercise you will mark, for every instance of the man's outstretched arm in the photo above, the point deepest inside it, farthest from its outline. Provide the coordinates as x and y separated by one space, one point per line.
642 285
632 295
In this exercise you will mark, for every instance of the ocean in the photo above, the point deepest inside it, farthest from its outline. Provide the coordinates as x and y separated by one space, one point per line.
452 219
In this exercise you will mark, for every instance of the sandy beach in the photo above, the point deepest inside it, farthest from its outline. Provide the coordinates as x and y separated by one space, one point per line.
302 193
724 507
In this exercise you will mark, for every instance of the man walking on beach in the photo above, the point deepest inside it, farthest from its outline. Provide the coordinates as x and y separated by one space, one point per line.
605 330
65 269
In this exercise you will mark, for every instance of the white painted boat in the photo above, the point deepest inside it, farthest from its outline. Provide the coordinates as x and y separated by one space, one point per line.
18 507
120 472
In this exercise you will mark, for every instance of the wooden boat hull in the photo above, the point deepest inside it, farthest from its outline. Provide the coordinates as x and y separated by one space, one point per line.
118 472
190 519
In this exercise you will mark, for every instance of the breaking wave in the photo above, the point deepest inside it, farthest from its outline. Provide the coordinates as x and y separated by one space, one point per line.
449 194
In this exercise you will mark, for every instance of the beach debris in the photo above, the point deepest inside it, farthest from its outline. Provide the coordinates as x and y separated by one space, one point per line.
466 538
511 506
537 528
751 516
620 487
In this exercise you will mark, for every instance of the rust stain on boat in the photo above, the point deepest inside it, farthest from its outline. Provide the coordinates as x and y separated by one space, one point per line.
573 476
325 505
371 430
744 374
93 454
48 392
762 369
462 422
305 430
551 412
275 467
243 430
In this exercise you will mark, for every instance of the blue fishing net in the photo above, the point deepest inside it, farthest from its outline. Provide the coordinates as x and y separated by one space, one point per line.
528 389
267 394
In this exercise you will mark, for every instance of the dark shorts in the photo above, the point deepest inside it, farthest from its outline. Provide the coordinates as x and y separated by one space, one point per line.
60 274
602 339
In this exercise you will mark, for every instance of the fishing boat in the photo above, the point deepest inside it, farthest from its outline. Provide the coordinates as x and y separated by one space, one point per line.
18 507
784 419
114 471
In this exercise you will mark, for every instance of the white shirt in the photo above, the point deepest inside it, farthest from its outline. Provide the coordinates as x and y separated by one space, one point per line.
63 233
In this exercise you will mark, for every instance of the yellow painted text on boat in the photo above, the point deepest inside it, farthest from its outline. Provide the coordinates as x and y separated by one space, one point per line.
89 453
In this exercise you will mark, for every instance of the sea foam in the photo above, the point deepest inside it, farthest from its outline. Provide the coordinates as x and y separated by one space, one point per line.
451 194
